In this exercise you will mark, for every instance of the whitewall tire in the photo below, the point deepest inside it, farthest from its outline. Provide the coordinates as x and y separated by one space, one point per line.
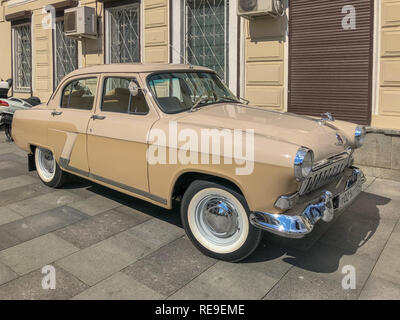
216 219
47 168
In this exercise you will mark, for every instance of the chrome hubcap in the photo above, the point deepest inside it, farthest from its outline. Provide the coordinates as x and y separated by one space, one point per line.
46 162
217 219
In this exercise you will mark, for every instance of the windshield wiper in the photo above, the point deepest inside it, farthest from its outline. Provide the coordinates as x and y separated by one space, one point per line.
237 100
197 103
206 99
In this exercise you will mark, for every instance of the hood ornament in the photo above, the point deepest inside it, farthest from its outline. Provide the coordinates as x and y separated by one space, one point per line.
341 140
327 116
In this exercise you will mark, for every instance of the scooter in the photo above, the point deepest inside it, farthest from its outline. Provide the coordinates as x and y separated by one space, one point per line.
8 105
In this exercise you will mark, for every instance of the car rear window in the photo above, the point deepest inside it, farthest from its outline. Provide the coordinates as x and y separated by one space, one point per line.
79 94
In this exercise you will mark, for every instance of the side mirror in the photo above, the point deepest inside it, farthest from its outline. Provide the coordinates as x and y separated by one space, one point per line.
133 88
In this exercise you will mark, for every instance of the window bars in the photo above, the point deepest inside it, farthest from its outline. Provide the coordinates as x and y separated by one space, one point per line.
22 57
123 32
206 37
66 55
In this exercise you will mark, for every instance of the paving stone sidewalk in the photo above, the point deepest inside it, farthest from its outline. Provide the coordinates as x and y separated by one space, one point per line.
106 245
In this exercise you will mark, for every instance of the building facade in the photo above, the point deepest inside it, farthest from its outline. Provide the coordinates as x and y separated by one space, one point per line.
338 56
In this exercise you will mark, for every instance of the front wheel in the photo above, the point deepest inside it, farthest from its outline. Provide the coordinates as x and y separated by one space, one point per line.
216 219
47 168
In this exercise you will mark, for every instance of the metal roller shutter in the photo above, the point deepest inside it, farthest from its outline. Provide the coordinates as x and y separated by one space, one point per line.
330 69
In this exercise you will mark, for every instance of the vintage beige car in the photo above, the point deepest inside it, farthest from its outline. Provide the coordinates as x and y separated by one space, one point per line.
245 169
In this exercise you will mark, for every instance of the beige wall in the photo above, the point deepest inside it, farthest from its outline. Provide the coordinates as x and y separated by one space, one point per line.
42 62
389 59
93 49
156 31
264 62
42 53
5 52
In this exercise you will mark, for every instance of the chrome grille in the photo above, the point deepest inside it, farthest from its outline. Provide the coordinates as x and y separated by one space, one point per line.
324 172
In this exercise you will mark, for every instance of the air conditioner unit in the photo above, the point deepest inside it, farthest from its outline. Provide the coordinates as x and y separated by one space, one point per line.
80 22
250 9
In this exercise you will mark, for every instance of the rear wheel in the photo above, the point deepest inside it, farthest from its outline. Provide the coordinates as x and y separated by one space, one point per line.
216 219
47 168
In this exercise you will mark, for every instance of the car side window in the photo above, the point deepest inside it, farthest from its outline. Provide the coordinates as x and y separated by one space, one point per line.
117 97
79 94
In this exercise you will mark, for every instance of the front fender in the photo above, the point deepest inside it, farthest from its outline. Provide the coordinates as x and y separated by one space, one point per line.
261 188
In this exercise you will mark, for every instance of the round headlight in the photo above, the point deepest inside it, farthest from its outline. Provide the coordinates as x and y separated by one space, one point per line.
359 136
303 163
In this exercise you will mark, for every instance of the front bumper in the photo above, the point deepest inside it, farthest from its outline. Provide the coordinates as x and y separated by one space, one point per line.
302 219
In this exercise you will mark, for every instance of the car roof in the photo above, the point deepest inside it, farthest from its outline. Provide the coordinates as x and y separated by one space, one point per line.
136 67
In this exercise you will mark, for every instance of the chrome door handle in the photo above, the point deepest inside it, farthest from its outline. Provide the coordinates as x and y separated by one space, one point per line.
97 117
56 113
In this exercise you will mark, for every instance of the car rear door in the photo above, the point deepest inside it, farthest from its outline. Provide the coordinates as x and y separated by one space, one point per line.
117 135
69 121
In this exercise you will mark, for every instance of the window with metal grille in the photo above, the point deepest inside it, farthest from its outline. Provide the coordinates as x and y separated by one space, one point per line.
65 53
206 37
123 34
22 57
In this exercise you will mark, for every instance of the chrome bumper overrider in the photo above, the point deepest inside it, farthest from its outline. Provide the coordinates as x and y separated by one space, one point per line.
297 226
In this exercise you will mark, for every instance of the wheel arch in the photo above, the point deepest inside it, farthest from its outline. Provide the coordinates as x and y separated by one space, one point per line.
31 155
184 179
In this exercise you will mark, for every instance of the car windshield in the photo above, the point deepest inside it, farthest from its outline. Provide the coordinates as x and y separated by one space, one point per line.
182 91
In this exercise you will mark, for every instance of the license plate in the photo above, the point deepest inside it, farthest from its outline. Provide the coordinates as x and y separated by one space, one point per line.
347 196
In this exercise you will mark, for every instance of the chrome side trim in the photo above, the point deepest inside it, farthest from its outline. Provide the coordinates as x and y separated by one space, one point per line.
69 144
128 188
64 163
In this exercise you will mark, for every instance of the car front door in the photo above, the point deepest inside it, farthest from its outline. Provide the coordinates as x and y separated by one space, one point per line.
69 121
117 135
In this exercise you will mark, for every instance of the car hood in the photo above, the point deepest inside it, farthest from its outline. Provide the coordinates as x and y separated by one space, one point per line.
286 127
